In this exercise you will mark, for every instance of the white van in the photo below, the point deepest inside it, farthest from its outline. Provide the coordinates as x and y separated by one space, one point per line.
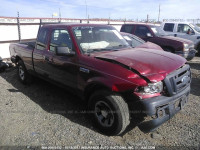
184 30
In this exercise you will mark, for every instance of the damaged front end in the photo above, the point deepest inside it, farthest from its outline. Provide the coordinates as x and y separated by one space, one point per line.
159 109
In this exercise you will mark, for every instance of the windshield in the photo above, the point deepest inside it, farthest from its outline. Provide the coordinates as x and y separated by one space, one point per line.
92 39
133 40
158 31
197 28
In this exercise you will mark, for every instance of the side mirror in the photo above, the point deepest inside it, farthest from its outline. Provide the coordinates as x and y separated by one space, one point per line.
64 51
149 35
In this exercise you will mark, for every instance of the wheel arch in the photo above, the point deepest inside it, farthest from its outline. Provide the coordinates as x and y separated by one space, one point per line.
92 87
17 59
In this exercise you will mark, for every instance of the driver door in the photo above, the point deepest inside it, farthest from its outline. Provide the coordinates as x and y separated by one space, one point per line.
63 69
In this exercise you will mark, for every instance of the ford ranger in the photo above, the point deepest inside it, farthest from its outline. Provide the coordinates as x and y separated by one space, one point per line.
117 82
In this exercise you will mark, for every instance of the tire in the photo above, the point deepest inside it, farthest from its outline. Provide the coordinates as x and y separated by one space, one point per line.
110 112
23 75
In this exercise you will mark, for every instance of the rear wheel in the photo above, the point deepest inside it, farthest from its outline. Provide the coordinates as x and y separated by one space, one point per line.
110 112
23 75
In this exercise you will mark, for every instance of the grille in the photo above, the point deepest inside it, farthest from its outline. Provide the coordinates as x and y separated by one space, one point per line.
178 80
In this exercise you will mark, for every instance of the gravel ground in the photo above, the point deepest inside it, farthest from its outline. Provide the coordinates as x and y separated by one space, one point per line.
41 114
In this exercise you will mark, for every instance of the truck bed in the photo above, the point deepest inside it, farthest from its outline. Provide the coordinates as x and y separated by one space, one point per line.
24 51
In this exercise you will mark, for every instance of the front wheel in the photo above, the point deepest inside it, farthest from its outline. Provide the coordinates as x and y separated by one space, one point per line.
110 112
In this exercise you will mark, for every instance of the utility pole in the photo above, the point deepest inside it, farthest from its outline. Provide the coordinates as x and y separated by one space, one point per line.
88 19
109 19
86 14
18 24
59 16
159 14
147 18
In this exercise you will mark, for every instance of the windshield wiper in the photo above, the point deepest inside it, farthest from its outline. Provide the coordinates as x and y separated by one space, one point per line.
119 46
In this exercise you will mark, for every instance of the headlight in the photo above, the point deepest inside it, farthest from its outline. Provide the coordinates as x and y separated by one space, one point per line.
186 47
151 88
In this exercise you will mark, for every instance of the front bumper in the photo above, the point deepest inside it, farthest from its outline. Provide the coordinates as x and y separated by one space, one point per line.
160 109
187 54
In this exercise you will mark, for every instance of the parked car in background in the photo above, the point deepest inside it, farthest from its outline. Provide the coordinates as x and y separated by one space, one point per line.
156 35
135 41
115 80
184 30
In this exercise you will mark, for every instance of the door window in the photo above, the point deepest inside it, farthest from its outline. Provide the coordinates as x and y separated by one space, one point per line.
184 28
142 31
60 38
169 27
127 28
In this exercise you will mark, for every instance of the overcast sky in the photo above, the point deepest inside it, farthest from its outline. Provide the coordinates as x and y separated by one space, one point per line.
116 9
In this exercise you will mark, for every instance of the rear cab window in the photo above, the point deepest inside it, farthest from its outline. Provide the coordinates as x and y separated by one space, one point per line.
169 27
42 39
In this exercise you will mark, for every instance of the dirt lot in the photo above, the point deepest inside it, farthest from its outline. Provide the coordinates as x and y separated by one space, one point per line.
44 115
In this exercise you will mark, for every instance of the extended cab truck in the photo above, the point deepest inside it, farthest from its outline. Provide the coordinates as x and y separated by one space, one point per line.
155 34
115 80
184 30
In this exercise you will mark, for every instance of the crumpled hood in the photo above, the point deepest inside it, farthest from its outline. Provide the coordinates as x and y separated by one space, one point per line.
177 39
152 64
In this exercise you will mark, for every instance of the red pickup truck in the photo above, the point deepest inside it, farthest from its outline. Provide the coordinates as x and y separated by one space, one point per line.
155 34
116 81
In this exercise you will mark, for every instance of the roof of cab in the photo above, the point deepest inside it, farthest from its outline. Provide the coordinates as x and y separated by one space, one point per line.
140 23
71 25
